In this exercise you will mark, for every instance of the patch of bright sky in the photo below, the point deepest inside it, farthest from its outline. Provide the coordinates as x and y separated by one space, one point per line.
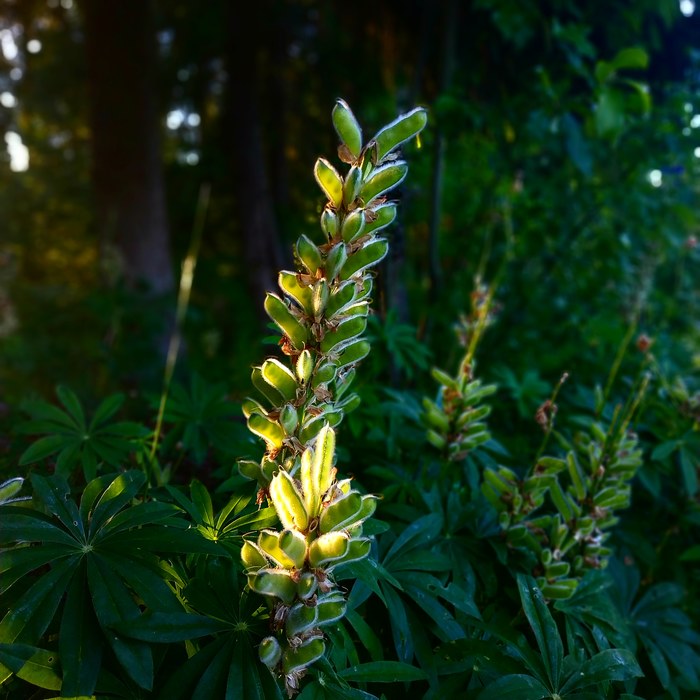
695 121
687 7
19 153
7 42
33 46
656 178
696 152
7 99
177 117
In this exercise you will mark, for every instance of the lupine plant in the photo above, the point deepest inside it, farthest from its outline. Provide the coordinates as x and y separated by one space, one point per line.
322 315
117 582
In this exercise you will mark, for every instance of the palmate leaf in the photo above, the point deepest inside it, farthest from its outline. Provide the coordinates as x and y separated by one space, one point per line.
230 624
543 627
660 626
203 417
103 558
73 441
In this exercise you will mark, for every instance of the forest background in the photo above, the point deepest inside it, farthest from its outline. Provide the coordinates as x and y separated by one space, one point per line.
157 170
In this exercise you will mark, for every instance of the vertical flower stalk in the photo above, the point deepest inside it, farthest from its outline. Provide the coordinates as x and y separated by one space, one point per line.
321 312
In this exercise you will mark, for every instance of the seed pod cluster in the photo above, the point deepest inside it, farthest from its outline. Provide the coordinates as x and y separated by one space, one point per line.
455 422
581 493
321 312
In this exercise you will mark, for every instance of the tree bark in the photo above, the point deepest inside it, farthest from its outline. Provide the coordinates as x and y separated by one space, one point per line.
257 222
127 167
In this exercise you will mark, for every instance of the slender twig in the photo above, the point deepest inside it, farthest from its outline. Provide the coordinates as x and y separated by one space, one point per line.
186 278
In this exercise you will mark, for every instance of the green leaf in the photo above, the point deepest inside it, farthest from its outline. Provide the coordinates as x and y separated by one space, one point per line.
515 687
114 602
608 665
181 683
79 641
36 666
543 627
383 672
24 525
55 493
106 410
164 628
44 447
115 497
72 404
32 613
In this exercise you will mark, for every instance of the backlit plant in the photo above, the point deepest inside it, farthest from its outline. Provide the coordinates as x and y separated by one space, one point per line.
322 315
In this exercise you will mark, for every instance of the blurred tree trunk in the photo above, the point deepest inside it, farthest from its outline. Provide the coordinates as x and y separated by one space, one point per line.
244 139
127 168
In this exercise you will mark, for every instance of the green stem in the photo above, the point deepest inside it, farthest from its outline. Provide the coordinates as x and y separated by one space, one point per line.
186 278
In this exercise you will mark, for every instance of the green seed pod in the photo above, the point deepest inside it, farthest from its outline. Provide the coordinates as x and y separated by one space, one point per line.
277 583
253 557
353 225
347 128
346 331
10 488
268 542
435 439
353 352
296 659
402 129
327 548
289 418
349 403
300 618
341 513
613 497
250 405
304 367
329 222
317 470
434 416
371 253
561 501
357 549
308 253
561 590
383 179
280 377
307 586
301 294
268 391
330 181
321 293
344 486
288 502
500 482
352 184
270 652
557 569
270 431
293 544
249 469
444 379
268 467
286 321
343 295
335 259
330 608
379 217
